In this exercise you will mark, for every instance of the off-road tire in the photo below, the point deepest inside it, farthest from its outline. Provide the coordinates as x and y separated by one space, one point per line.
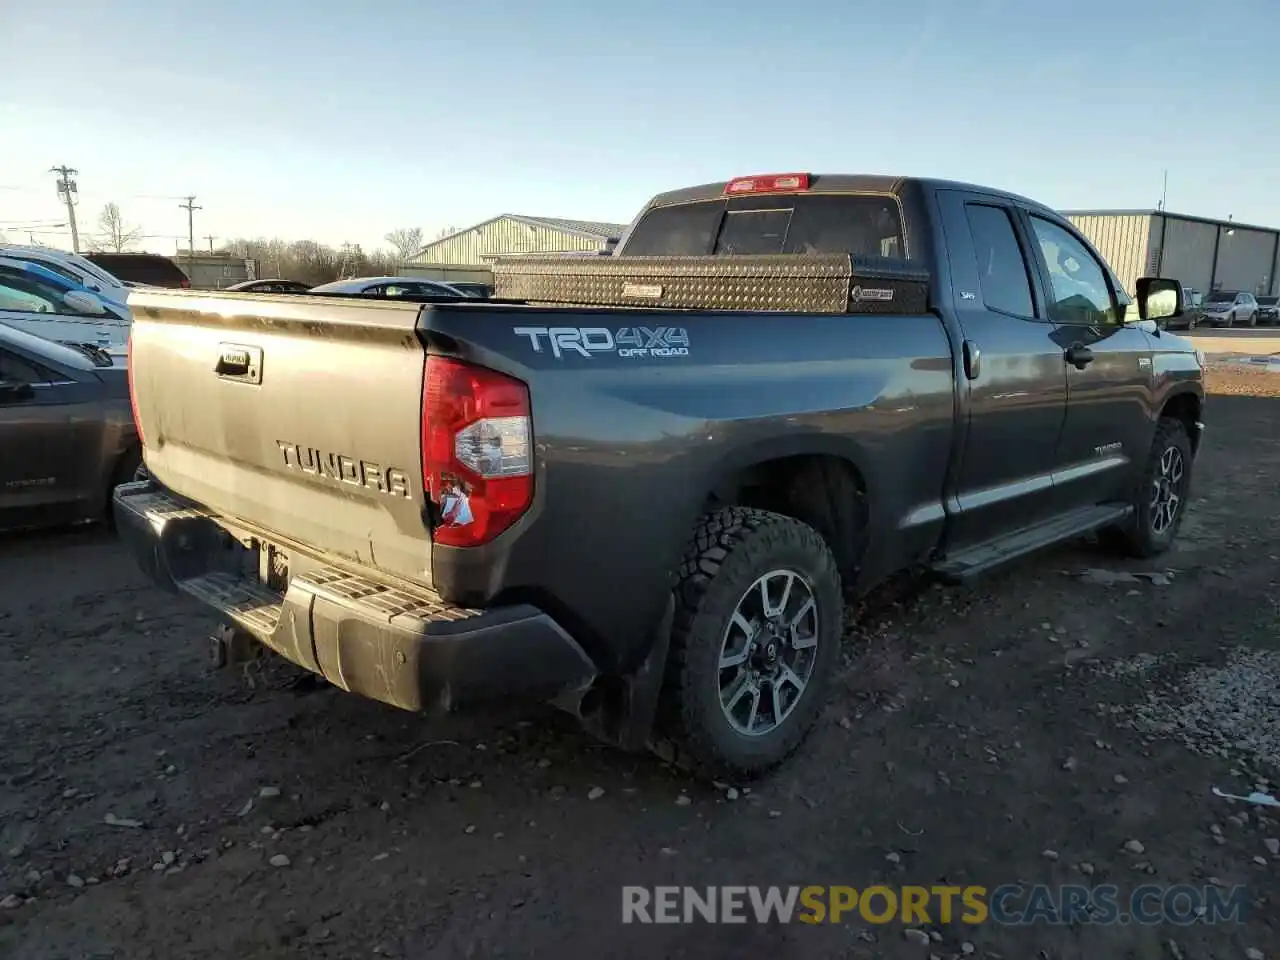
729 550
1136 537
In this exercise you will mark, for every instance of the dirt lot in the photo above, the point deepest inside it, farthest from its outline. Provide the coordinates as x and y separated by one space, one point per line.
1021 731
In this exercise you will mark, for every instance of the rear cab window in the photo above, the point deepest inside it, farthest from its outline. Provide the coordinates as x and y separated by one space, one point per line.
861 225
1002 268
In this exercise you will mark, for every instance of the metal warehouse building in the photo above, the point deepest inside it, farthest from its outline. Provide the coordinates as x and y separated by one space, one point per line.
1202 254
512 234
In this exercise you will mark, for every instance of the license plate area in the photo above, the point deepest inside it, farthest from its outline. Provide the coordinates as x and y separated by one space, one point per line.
273 566
252 558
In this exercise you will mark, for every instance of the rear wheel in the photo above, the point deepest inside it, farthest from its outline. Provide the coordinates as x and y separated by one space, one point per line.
758 621
1161 498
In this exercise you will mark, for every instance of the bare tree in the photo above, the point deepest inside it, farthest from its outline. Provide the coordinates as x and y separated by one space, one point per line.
114 234
406 241
311 262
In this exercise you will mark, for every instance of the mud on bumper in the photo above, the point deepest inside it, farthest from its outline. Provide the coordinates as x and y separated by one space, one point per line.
398 644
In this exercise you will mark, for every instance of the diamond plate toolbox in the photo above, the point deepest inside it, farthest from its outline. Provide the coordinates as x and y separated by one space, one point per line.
811 283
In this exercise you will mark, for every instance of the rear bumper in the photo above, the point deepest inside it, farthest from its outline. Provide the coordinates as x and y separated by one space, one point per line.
401 645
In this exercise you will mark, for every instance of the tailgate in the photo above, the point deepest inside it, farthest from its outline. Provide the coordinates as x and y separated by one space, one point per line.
300 415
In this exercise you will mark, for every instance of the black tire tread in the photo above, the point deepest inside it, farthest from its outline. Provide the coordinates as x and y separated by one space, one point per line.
715 538
1132 539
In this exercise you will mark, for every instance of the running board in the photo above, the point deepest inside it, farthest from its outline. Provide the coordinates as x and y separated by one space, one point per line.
975 560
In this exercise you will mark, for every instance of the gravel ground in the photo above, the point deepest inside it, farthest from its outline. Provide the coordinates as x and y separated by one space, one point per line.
1028 729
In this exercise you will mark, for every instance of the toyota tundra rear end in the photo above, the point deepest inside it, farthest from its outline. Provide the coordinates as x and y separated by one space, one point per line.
307 459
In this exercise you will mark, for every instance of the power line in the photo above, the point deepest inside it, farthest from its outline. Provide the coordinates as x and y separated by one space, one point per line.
67 192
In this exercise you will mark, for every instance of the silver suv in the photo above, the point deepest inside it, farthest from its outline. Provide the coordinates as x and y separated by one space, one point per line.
1225 308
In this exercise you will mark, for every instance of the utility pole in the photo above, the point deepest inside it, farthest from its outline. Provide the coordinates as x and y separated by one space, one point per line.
1164 192
67 193
210 237
191 208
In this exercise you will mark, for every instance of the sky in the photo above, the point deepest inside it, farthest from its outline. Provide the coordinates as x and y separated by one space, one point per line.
339 121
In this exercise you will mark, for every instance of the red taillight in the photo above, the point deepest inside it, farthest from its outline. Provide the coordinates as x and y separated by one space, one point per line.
186 284
133 393
767 183
477 450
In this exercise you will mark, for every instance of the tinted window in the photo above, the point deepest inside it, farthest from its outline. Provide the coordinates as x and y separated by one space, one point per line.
753 231
1002 269
19 291
14 369
61 271
1081 294
688 229
809 223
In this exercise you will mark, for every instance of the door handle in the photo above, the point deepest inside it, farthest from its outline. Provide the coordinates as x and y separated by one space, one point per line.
232 365
972 360
1079 356
239 362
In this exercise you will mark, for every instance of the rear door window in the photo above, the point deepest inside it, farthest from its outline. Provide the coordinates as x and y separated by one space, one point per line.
1002 269
865 226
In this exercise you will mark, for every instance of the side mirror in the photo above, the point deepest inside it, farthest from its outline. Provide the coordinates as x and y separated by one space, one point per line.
1158 298
82 301
14 391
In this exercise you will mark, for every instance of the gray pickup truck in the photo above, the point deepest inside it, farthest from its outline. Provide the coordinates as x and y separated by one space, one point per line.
637 486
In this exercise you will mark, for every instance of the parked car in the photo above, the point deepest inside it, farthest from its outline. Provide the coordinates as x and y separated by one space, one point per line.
1225 308
1269 309
472 288
1190 316
65 428
73 267
146 269
391 287
645 504
269 286
49 305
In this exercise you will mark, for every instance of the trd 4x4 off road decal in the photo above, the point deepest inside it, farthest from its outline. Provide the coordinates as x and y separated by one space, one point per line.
624 342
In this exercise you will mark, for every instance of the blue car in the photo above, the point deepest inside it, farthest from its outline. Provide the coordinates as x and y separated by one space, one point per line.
39 301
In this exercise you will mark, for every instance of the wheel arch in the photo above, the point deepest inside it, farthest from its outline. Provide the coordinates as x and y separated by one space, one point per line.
1185 406
815 478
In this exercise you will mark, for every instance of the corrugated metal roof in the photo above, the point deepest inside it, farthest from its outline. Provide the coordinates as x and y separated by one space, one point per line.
595 229
1170 214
